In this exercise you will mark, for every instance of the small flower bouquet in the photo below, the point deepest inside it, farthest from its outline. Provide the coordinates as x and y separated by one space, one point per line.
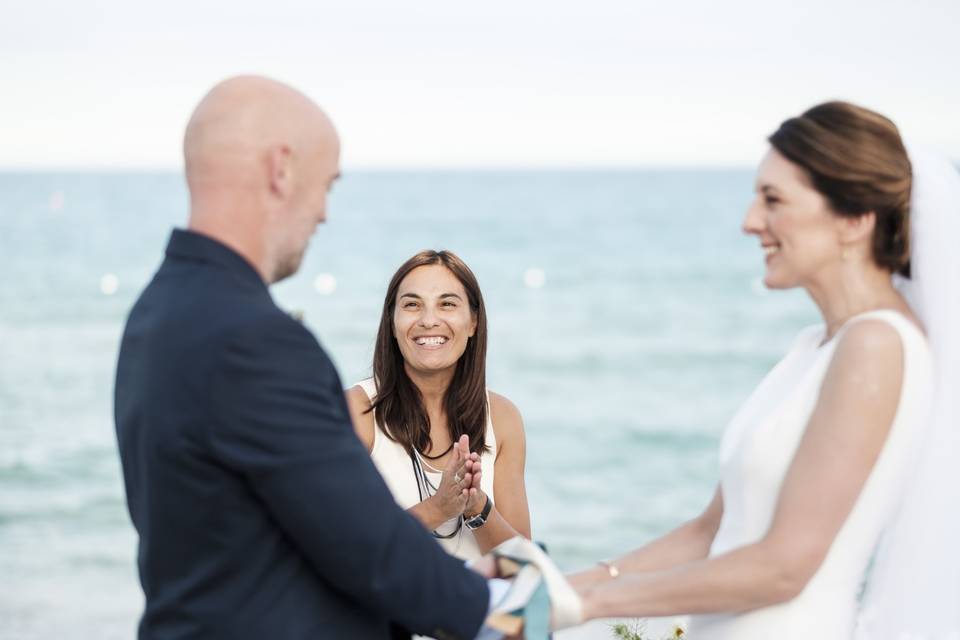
635 629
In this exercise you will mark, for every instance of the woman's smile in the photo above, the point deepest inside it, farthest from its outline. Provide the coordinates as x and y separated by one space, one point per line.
431 342
770 250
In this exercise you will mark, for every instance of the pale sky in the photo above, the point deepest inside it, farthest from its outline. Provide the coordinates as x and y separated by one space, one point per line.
442 83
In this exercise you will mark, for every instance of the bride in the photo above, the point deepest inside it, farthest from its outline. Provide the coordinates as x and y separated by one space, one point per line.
824 468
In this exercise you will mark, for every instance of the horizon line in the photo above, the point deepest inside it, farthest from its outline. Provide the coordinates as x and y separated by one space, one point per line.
387 168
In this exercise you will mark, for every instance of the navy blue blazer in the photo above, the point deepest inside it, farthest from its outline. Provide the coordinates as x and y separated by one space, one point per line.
259 512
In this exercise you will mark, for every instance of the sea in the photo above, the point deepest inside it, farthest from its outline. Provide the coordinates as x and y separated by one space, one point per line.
627 315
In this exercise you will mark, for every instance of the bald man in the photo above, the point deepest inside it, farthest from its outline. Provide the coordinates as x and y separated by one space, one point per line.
259 512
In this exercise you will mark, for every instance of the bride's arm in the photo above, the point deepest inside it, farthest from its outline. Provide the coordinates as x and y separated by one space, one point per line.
690 541
844 437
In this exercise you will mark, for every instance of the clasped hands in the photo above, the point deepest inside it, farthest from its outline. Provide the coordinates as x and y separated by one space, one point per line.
459 492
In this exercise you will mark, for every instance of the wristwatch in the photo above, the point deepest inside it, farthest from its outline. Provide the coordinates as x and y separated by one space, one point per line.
477 521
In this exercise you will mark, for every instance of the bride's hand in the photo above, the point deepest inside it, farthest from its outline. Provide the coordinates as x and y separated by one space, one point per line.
584 581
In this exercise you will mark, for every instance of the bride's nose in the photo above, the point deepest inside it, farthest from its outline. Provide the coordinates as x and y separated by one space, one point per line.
755 220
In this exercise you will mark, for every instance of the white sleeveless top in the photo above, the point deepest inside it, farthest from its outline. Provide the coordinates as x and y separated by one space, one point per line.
395 466
755 454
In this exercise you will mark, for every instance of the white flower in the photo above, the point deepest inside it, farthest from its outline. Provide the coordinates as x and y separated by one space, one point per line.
679 628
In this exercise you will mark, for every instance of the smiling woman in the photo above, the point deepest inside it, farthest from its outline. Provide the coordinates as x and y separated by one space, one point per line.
452 452
813 466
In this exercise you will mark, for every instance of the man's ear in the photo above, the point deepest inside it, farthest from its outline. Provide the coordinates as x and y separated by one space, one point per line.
280 167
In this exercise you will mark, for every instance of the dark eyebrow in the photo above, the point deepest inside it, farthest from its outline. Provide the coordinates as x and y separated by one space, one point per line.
767 188
442 295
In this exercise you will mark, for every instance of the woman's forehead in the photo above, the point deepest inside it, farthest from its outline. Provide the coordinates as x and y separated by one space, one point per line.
430 280
778 173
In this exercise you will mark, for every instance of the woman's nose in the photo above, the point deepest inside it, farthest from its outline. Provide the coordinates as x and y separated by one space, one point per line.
428 318
754 222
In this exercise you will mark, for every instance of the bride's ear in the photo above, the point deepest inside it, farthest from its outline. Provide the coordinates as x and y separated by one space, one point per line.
856 229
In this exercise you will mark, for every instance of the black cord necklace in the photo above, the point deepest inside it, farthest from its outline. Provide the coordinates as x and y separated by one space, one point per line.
439 455
425 486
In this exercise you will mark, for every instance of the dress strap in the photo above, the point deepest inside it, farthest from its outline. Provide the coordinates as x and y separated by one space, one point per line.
897 319
369 387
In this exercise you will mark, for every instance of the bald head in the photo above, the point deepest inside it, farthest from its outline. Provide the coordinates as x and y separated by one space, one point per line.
260 157
244 116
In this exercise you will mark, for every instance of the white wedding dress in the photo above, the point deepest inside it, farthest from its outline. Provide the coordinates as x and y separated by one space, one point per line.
755 454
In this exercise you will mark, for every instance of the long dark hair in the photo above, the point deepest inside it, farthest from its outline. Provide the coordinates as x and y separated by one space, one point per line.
856 159
399 403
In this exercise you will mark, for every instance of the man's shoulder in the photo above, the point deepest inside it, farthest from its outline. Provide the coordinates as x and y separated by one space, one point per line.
203 311
225 298
267 323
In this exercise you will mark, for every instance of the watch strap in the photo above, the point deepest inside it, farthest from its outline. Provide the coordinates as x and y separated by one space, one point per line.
477 521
